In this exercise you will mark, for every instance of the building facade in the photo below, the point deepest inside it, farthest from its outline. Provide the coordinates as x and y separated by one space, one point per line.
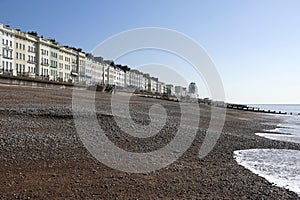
65 57
54 54
29 55
180 91
94 70
170 90
25 56
43 68
80 67
7 50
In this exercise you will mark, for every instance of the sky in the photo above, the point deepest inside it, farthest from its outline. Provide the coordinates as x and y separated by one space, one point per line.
254 44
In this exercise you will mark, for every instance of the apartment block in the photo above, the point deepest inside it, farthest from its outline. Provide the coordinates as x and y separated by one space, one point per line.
80 68
135 79
154 84
43 58
29 55
94 67
170 90
7 50
54 53
161 87
180 91
25 56
65 57
120 76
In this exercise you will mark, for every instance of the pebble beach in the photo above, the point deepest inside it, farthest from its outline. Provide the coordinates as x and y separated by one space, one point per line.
42 156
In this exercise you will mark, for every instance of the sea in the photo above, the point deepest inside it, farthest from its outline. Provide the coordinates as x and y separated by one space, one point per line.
281 167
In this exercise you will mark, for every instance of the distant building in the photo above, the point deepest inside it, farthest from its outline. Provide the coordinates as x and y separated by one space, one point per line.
93 70
154 84
180 91
134 78
193 90
170 90
161 87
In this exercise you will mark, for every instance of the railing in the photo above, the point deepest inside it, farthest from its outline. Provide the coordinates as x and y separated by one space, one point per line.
7 57
45 64
6 72
7 46
31 61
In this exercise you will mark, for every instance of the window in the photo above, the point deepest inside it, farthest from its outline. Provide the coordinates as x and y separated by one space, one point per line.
17 45
10 43
23 46
23 56
17 55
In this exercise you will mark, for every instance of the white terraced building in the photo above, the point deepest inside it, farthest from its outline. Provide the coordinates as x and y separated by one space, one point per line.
94 68
29 55
170 90
44 57
1 48
134 78
7 50
25 57
65 57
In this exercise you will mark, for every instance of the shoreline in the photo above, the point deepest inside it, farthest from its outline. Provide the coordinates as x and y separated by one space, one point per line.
43 157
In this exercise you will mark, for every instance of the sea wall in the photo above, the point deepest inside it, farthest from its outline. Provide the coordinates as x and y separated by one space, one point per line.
27 81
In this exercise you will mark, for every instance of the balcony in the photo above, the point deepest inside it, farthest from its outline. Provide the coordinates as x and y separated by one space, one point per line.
29 51
7 57
6 71
5 46
45 64
31 61
53 66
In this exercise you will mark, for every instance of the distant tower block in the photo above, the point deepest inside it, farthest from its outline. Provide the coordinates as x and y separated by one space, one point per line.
193 90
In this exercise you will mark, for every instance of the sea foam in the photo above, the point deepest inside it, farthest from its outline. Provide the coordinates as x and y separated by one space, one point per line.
279 166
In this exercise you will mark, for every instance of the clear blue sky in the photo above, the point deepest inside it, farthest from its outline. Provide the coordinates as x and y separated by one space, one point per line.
255 44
